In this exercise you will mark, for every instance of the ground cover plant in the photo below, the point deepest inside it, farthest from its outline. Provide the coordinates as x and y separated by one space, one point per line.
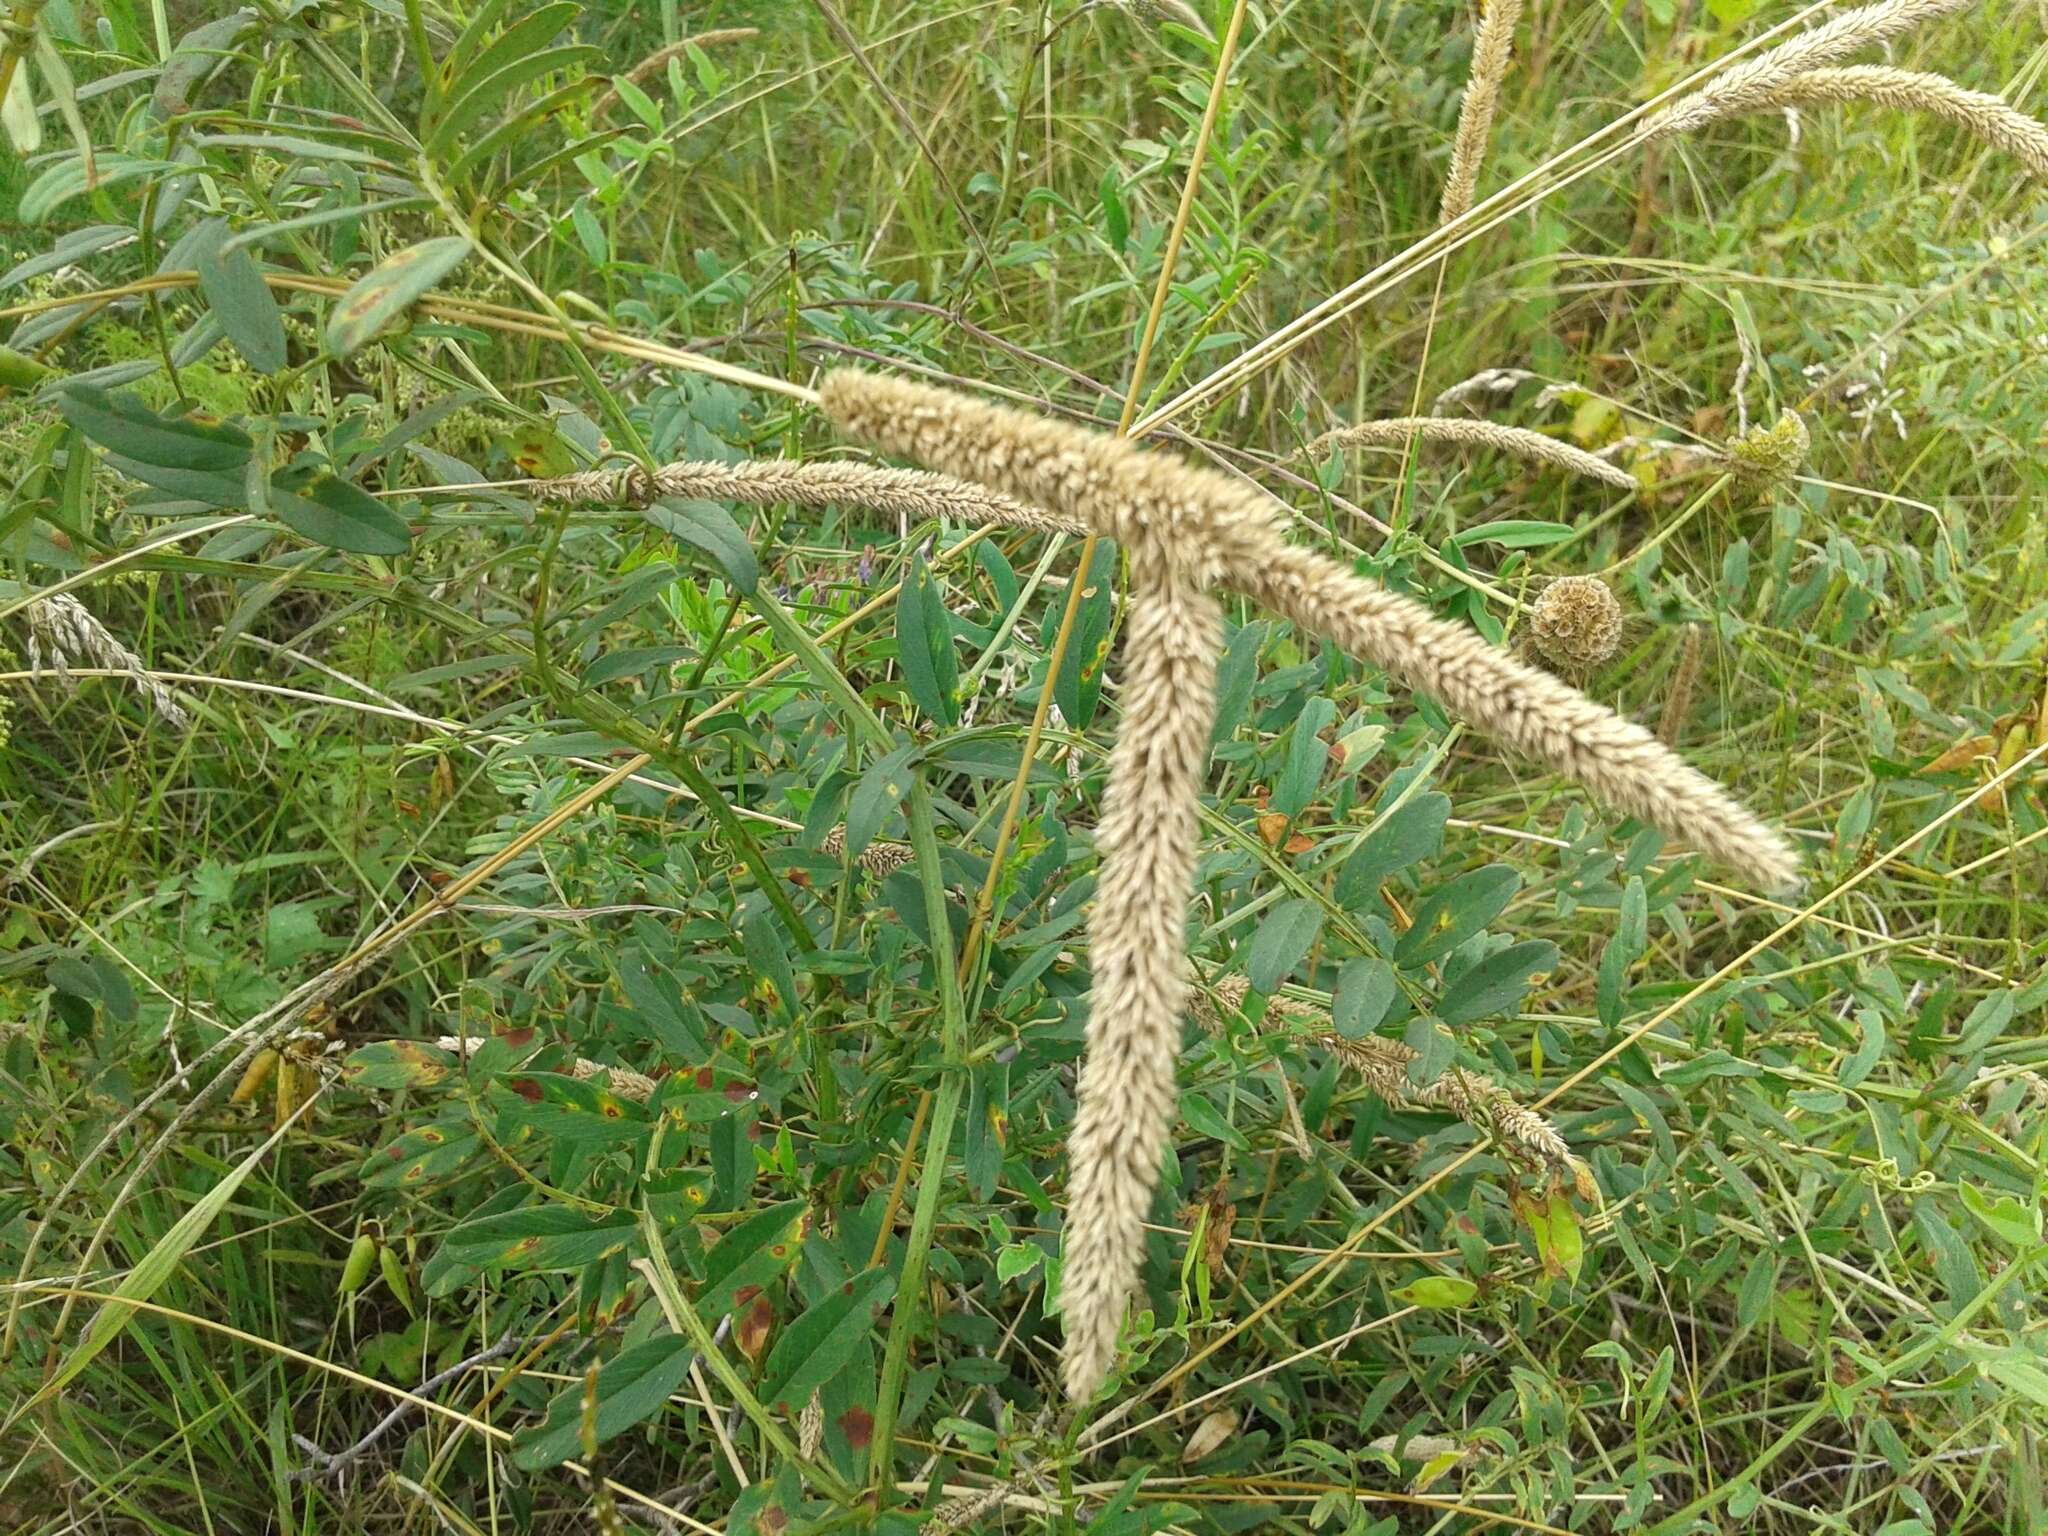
1115 767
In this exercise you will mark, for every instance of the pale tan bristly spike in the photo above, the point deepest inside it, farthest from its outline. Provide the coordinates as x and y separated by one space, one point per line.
1987 117
1749 84
1394 432
1490 56
1187 530
1137 945
1228 533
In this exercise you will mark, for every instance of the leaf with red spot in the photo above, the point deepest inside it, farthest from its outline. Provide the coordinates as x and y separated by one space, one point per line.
558 1109
396 1064
760 1249
858 1426
419 1156
818 1345
540 1238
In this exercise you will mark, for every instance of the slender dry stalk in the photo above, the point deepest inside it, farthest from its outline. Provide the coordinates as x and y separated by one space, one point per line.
1225 532
657 61
1684 679
627 1085
61 629
1988 117
1490 54
1395 431
1382 1065
1751 85
906 493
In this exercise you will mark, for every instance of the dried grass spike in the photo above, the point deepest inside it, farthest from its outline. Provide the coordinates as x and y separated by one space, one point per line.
1147 840
1216 530
1685 679
906 493
1749 86
1490 55
878 858
1988 117
1615 759
1519 441
61 630
1575 624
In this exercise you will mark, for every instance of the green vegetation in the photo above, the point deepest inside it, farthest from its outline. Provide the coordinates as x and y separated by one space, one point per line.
548 1008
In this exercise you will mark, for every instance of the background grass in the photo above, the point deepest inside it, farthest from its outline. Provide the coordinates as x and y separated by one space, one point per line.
1806 1298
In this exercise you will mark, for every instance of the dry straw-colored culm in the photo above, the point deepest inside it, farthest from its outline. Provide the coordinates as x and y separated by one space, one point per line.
1188 531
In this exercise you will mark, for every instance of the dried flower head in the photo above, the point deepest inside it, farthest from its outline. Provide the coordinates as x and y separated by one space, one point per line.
1188 531
61 631
1519 441
1764 458
1382 1065
1491 50
879 858
1575 624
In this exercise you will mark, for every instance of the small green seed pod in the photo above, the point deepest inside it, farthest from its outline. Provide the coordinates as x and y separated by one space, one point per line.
357 1269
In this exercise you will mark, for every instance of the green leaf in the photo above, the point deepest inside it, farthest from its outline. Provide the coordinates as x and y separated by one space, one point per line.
1513 533
1867 1053
382 294
1284 938
768 961
1078 687
333 512
924 645
1411 834
155 1267
878 794
631 1388
1433 1047
1437 1292
123 422
1307 755
233 286
1496 984
536 1239
396 1064
1453 913
2005 1218
763 1246
817 1346
1203 1118
710 528
1365 991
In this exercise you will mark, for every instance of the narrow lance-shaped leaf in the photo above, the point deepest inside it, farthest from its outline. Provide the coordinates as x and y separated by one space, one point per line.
381 295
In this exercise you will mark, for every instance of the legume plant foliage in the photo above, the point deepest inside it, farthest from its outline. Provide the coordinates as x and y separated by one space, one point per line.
1128 767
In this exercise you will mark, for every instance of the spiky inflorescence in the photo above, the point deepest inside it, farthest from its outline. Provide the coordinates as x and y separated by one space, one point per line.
1750 85
1685 678
1519 441
1382 1065
1575 623
62 630
1227 532
907 493
1137 946
626 1084
1187 530
1490 52
1986 116
878 858
1765 458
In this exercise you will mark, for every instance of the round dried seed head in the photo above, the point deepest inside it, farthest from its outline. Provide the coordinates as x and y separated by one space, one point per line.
1576 623
1766 457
